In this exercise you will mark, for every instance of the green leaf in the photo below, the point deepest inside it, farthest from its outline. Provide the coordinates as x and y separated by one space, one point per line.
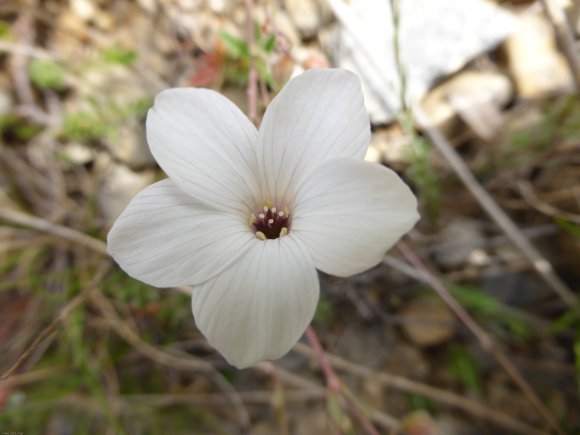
120 55
237 48
570 227
46 74
270 43
464 369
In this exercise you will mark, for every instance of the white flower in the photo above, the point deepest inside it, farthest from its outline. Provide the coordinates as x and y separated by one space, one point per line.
246 216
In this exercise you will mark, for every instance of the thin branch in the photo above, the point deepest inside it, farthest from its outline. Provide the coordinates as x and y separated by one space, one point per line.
387 421
333 382
55 324
445 397
181 361
252 73
60 231
542 266
487 343
379 82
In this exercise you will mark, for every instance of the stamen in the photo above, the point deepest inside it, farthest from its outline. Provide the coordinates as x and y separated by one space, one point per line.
270 224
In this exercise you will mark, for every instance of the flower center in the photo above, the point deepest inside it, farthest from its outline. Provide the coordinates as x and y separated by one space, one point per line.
271 222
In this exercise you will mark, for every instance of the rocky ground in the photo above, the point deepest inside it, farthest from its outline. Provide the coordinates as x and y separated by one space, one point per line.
103 353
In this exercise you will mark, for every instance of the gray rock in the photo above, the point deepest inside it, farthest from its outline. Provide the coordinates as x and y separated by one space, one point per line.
458 240
428 321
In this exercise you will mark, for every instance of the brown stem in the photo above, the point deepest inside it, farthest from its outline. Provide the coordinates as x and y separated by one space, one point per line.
334 384
252 74
487 343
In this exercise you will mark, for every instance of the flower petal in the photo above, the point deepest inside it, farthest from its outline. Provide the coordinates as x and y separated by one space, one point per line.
167 238
318 116
348 213
206 145
259 307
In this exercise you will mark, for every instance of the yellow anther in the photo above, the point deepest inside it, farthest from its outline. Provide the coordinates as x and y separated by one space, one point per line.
283 231
260 235
286 211
252 220
267 205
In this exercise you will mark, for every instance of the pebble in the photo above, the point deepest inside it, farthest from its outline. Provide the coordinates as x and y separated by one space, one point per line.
458 240
538 68
428 321
475 88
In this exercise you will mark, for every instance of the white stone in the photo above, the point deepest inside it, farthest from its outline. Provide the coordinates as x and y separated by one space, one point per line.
482 90
536 64
436 38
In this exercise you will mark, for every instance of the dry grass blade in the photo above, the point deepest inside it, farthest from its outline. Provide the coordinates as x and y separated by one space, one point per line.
55 324
181 362
291 379
487 343
62 232
441 396
542 266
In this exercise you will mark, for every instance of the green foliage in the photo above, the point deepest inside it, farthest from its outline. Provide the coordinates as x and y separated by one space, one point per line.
570 320
323 314
464 369
101 122
5 31
570 227
119 55
489 308
18 128
47 74
237 47
84 126
421 171
239 53
560 122
417 401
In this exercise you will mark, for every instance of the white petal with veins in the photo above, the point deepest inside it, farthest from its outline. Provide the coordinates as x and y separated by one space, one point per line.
168 238
348 213
318 116
206 145
259 307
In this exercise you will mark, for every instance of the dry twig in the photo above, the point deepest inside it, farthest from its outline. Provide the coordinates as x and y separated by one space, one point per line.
485 340
542 266
441 396
55 324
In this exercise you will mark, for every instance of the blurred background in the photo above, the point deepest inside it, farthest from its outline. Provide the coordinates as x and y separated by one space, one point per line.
460 95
